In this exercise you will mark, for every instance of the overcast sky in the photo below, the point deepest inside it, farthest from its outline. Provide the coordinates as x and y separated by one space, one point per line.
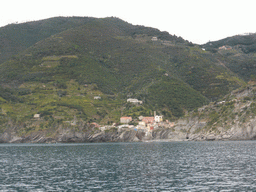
198 21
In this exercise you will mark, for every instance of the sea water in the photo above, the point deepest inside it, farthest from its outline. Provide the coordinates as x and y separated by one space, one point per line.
152 166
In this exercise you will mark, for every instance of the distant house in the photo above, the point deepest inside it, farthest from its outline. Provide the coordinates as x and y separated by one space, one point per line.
125 119
225 47
148 120
154 39
221 102
97 97
135 101
37 116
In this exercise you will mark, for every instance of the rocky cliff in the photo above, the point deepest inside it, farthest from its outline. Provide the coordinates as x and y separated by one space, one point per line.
185 130
233 118
71 136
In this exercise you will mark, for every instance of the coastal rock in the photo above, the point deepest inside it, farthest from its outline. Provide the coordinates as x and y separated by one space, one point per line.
190 129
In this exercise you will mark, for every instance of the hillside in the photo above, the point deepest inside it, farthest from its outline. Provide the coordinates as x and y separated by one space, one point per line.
237 53
246 42
17 37
233 118
57 74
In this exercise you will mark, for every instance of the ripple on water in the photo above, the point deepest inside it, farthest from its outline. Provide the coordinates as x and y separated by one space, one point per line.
176 166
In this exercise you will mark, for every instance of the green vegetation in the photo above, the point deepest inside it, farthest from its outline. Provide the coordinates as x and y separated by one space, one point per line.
175 96
247 43
57 66
240 58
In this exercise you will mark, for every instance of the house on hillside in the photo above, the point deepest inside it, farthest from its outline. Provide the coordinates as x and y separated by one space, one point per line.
154 39
37 116
97 97
134 101
125 119
225 47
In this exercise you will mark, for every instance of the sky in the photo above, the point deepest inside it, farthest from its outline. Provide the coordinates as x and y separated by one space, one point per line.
198 21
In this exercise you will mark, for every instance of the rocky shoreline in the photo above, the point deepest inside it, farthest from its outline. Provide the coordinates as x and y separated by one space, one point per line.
183 131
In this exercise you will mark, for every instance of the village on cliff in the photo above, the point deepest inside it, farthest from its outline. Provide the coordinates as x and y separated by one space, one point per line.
146 124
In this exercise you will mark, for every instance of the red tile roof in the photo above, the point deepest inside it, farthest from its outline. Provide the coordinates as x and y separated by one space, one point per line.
148 119
126 118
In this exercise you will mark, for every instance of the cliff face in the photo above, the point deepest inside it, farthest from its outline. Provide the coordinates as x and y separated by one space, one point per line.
69 135
197 130
233 118
185 130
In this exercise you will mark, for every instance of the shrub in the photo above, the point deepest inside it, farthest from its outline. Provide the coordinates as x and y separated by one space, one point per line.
61 84
61 93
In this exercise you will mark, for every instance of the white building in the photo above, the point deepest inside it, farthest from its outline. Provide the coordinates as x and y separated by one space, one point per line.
135 101
97 97
37 116
158 119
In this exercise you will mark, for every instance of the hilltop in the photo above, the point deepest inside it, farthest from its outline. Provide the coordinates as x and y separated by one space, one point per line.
18 37
56 67
246 42
238 54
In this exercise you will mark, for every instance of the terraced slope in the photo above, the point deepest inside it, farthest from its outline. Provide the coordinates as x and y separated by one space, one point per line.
59 74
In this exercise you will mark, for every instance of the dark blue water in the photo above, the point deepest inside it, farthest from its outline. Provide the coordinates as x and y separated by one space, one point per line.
157 166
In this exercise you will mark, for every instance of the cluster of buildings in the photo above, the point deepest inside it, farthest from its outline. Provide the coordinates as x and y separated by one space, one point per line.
147 124
143 123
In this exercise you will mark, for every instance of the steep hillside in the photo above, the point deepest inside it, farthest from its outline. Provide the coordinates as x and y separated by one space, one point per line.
237 53
59 76
246 42
17 37
233 118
